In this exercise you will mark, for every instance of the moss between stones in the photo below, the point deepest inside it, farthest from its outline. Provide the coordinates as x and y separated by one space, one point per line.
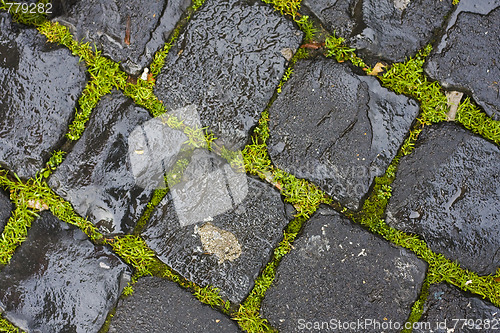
7 327
35 19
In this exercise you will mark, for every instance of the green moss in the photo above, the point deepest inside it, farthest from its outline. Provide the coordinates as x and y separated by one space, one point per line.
337 49
418 307
408 78
285 7
134 251
307 27
472 118
36 18
7 327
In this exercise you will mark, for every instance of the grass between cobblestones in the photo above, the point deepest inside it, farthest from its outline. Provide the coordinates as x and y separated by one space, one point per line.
407 78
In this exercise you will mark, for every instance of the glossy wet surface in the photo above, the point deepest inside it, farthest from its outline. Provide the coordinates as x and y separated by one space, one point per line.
59 281
208 222
40 84
336 128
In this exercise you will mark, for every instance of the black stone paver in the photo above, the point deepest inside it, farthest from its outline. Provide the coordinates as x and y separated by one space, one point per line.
248 216
466 59
39 86
159 306
97 177
338 16
448 191
58 281
396 29
232 52
5 209
449 309
340 272
337 129
104 24
388 30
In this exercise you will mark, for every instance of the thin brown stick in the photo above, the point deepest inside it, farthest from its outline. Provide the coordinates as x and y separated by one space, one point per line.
127 31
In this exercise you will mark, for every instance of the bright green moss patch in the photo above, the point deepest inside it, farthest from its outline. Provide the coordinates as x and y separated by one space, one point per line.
472 118
27 14
418 307
285 7
134 251
408 78
7 327
15 232
337 49
248 315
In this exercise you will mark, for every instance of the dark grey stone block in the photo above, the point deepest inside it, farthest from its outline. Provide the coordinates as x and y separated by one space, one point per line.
448 191
340 273
159 306
337 129
40 84
228 63
58 281
466 59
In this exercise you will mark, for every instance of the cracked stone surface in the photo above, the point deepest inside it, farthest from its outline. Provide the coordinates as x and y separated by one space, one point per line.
104 23
256 222
448 191
331 274
58 281
449 303
34 115
96 177
467 56
232 51
5 209
159 306
337 129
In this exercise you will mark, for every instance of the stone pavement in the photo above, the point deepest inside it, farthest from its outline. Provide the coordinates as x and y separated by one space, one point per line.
233 165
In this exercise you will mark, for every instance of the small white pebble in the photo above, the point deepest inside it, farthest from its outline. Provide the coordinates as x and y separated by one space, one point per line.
144 75
103 265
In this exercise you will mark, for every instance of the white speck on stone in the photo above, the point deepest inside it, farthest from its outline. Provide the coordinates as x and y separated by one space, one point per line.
144 75
362 253
401 4
208 219
103 265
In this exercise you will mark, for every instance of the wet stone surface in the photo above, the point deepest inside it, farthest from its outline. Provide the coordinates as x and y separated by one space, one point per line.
395 29
96 176
449 303
383 29
448 191
337 129
217 226
5 209
40 84
467 57
104 23
339 270
232 52
336 15
57 281
159 306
